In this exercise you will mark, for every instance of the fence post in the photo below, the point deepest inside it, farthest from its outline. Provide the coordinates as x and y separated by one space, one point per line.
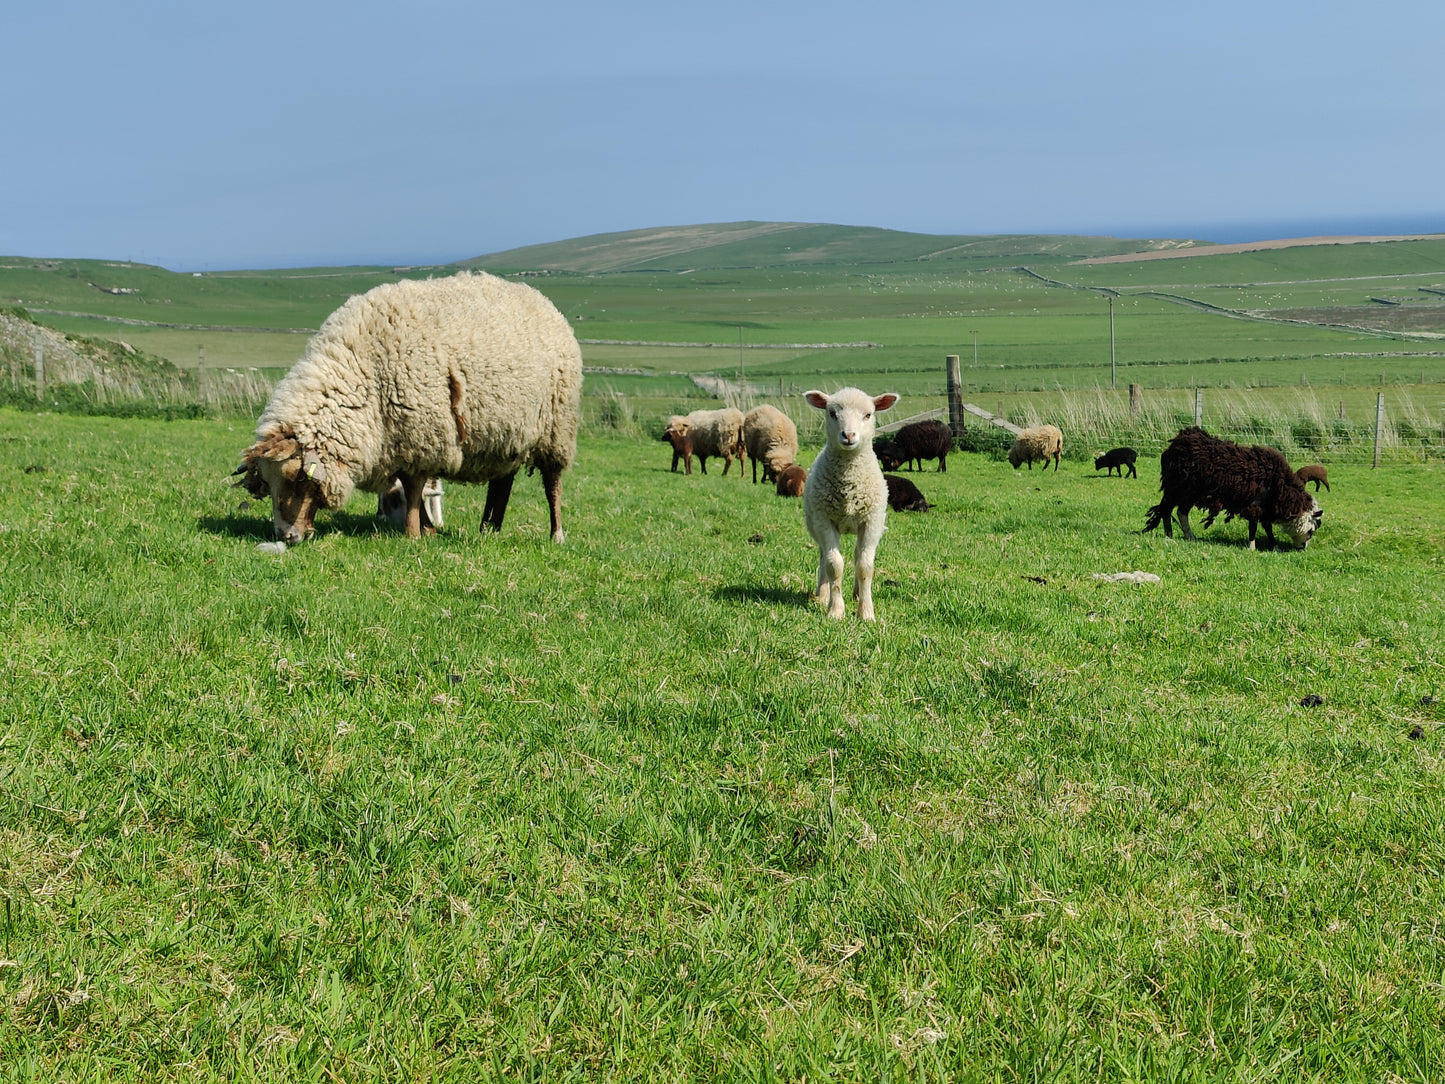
39 368
14 368
1198 406
1379 425
201 375
1342 410
1134 403
955 394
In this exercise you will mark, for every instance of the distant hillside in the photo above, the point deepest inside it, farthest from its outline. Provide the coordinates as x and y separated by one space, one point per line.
793 244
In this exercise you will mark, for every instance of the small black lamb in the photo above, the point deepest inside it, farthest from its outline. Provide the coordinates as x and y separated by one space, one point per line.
1118 459
904 496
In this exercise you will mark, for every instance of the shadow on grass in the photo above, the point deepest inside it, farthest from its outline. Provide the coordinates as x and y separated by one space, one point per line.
256 523
757 593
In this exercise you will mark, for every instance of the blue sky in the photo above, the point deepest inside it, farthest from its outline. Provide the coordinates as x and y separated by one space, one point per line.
208 135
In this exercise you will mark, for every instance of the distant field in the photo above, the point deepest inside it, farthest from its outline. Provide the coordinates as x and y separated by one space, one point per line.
1268 320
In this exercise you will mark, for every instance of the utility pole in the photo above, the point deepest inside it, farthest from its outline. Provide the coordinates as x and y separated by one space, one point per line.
975 349
1113 370
742 371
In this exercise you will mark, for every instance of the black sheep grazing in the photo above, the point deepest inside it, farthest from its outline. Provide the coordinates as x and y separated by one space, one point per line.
1118 459
1201 471
904 496
918 441
889 455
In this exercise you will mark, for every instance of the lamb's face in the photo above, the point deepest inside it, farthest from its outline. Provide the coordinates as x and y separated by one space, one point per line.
1303 527
851 416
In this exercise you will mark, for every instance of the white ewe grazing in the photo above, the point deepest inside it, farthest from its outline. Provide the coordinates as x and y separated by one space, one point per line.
464 378
846 494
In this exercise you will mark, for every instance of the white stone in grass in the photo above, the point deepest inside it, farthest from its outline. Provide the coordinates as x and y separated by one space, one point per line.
271 547
1127 577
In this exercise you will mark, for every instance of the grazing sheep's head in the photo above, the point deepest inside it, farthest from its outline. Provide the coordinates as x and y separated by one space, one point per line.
295 479
850 416
1302 527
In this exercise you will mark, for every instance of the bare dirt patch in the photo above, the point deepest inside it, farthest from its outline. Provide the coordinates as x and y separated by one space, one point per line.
1255 246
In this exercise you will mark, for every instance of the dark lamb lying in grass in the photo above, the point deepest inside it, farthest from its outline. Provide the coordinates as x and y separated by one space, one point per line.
904 496
1117 459
918 441
1198 470
1316 473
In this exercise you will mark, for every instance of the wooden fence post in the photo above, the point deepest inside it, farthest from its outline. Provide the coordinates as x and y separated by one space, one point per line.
201 375
955 395
1198 406
1134 402
1379 426
39 368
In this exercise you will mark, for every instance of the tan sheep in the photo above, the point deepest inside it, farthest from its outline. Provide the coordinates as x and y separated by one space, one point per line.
1043 442
715 433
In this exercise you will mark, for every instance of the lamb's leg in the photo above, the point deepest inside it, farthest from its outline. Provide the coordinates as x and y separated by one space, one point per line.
499 492
1252 525
830 573
552 486
863 554
412 485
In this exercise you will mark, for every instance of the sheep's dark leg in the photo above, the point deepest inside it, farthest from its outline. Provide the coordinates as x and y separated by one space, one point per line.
1252 525
1132 472
943 463
1184 522
552 486
499 492
702 462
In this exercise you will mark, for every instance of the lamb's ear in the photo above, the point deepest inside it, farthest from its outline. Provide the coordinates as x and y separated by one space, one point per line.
816 399
884 401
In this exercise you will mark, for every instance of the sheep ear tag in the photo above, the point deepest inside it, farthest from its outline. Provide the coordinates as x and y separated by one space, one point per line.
312 466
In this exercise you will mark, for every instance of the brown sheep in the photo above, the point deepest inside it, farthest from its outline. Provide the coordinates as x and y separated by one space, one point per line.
677 435
1316 473
791 480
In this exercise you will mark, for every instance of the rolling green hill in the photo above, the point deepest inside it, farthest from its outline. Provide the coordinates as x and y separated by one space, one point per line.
798 244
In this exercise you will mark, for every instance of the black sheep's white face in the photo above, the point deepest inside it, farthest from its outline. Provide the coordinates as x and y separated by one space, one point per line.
1303 527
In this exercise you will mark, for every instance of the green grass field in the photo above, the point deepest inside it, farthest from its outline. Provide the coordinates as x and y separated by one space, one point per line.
631 808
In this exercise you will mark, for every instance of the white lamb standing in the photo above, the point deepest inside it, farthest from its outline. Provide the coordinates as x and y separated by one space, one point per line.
846 494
